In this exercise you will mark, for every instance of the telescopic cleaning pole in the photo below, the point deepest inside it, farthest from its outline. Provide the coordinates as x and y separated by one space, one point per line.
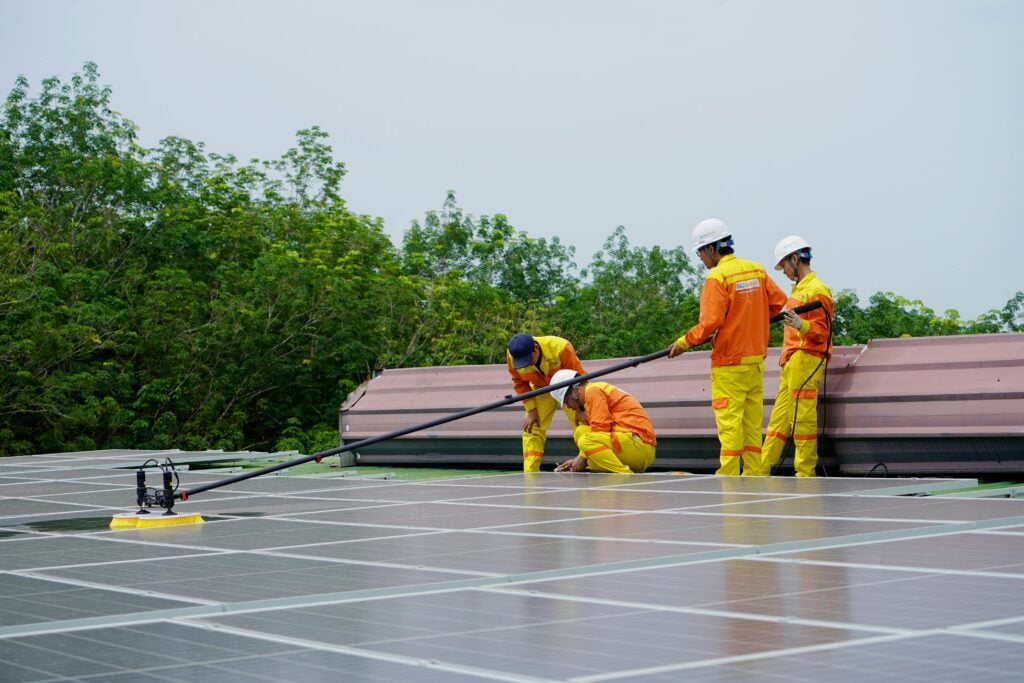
508 400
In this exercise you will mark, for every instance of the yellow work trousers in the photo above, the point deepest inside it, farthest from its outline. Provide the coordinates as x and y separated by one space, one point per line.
621 452
737 397
534 440
798 395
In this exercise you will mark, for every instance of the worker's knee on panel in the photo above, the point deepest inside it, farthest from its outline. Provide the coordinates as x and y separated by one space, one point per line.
634 453
531 463
604 460
646 455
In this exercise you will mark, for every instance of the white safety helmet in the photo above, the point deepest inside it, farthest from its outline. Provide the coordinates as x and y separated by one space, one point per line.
561 376
789 245
709 231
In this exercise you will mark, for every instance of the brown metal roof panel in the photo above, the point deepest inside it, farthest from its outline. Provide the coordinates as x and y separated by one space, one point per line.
907 396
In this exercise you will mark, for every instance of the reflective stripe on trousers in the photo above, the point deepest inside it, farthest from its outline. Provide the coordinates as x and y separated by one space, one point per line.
621 452
534 440
737 397
799 367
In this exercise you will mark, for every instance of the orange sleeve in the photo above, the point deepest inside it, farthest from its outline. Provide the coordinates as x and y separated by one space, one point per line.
598 411
570 360
714 304
819 321
520 385
776 297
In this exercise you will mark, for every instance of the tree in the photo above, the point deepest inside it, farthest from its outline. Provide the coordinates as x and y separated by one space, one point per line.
1012 315
889 315
488 251
171 297
634 300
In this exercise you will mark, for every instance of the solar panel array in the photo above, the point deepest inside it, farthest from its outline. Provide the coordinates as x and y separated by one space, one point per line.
579 577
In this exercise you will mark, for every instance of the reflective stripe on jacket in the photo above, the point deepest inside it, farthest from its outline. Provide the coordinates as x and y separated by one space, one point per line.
813 335
612 409
555 354
736 301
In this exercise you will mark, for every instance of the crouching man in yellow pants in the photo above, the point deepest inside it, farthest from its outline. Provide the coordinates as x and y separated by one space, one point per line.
613 432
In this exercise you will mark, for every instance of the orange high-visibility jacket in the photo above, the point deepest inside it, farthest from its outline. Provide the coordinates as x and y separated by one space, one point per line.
555 354
735 304
813 335
612 409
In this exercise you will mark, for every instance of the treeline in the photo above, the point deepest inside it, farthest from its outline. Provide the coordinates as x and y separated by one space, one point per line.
175 297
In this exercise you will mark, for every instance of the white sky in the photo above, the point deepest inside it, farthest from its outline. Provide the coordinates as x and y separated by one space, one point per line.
888 133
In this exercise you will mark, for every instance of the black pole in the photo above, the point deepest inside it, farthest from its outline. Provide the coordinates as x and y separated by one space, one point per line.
806 308
508 400
425 425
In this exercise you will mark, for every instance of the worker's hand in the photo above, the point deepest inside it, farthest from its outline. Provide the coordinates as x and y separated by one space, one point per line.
792 319
581 417
577 464
531 421
675 350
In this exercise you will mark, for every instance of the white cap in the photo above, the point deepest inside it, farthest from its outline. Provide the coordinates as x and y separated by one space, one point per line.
709 231
561 376
789 245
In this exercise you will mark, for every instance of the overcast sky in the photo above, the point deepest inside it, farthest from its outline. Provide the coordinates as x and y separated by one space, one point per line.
888 133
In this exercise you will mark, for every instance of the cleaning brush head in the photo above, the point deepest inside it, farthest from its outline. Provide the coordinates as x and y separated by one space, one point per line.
134 520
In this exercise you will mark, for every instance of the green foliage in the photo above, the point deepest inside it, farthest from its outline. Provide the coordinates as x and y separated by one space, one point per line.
174 297
488 251
634 300
170 297
889 315
1012 315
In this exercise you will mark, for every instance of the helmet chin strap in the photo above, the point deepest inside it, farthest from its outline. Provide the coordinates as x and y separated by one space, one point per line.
795 267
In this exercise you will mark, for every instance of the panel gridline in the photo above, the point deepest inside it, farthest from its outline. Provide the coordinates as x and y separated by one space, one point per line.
543 577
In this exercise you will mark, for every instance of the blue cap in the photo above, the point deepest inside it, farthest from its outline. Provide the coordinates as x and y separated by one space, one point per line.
520 347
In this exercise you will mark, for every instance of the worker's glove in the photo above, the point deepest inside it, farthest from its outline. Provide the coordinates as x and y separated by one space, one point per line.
792 319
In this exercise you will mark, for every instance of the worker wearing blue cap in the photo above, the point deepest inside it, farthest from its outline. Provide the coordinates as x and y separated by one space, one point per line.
532 361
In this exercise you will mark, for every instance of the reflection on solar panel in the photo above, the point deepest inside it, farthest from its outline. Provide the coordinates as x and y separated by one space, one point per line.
508 577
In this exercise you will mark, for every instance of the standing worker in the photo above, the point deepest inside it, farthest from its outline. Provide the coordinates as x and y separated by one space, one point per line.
736 301
806 348
532 361
613 432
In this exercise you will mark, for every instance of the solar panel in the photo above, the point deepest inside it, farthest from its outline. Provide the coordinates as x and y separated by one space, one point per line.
508 577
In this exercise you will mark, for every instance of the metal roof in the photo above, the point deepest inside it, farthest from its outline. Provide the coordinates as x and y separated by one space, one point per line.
934 404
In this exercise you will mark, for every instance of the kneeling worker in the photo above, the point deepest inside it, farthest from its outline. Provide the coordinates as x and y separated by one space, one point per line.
613 432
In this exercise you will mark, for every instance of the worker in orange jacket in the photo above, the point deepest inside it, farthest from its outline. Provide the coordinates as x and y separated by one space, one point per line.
806 348
613 432
736 301
532 361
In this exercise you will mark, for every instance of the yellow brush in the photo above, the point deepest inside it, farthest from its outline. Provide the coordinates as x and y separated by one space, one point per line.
133 520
